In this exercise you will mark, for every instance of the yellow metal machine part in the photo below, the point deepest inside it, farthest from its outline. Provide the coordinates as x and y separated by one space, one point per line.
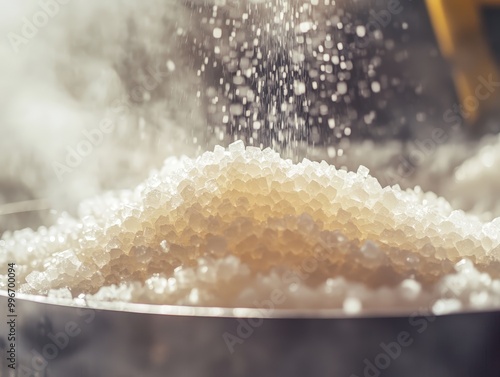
462 39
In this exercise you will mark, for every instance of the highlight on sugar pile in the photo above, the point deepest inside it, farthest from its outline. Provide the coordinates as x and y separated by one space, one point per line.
236 227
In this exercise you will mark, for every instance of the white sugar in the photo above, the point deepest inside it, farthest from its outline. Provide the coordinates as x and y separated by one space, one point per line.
232 226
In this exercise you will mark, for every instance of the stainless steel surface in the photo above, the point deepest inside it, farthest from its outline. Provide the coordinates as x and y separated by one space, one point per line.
61 341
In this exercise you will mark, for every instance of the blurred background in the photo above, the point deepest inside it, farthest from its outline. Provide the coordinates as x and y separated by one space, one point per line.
95 95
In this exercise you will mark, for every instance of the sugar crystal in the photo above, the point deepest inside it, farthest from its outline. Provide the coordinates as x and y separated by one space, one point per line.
229 228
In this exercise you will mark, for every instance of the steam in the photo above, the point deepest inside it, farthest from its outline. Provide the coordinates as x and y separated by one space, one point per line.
70 67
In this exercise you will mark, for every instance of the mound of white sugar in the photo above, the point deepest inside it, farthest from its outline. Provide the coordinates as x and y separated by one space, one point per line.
242 227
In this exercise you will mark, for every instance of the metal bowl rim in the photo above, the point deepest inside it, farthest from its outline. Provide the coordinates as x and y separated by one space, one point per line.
226 312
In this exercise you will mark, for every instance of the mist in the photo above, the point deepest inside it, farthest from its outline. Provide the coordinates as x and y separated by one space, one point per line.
71 69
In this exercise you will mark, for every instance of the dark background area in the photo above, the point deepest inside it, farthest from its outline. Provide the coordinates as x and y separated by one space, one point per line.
401 54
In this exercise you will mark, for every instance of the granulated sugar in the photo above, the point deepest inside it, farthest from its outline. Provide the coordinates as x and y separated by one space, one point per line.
236 227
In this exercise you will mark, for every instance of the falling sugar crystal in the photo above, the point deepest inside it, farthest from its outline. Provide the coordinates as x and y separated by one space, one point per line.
230 227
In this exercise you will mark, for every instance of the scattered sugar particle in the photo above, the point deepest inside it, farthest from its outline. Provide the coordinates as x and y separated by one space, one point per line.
217 33
352 305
